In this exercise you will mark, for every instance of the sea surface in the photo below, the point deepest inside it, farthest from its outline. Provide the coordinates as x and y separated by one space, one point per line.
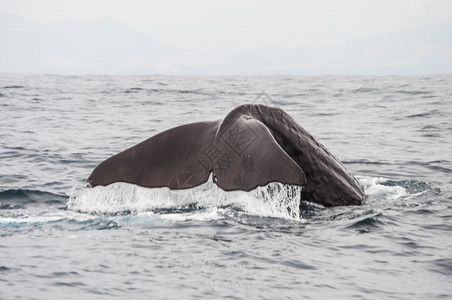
60 240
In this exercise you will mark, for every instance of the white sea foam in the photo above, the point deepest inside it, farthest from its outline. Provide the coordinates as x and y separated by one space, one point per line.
273 200
375 188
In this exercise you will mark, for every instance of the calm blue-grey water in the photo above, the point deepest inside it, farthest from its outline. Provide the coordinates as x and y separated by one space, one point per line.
60 240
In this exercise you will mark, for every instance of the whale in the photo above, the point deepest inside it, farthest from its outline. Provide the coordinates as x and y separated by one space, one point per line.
254 145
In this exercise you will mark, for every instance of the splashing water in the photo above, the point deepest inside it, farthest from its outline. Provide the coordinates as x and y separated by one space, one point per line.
376 188
272 200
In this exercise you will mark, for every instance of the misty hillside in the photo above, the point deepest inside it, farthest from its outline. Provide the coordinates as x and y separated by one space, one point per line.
107 46
421 50
82 46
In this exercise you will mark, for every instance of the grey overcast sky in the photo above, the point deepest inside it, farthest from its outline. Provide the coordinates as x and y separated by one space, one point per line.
244 24
226 36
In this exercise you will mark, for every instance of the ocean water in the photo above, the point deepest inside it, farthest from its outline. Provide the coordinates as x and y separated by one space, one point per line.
61 240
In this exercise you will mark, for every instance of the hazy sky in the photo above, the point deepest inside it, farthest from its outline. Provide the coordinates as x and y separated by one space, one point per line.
218 25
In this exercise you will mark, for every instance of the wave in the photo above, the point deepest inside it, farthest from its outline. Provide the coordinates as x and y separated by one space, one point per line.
413 92
59 219
13 87
172 91
427 114
364 162
365 90
133 90
19 198
367 223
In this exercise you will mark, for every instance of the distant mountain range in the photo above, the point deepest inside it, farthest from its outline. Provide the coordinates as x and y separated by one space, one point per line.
107 46
88 46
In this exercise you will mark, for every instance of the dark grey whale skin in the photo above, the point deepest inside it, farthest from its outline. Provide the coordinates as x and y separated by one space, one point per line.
252 146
